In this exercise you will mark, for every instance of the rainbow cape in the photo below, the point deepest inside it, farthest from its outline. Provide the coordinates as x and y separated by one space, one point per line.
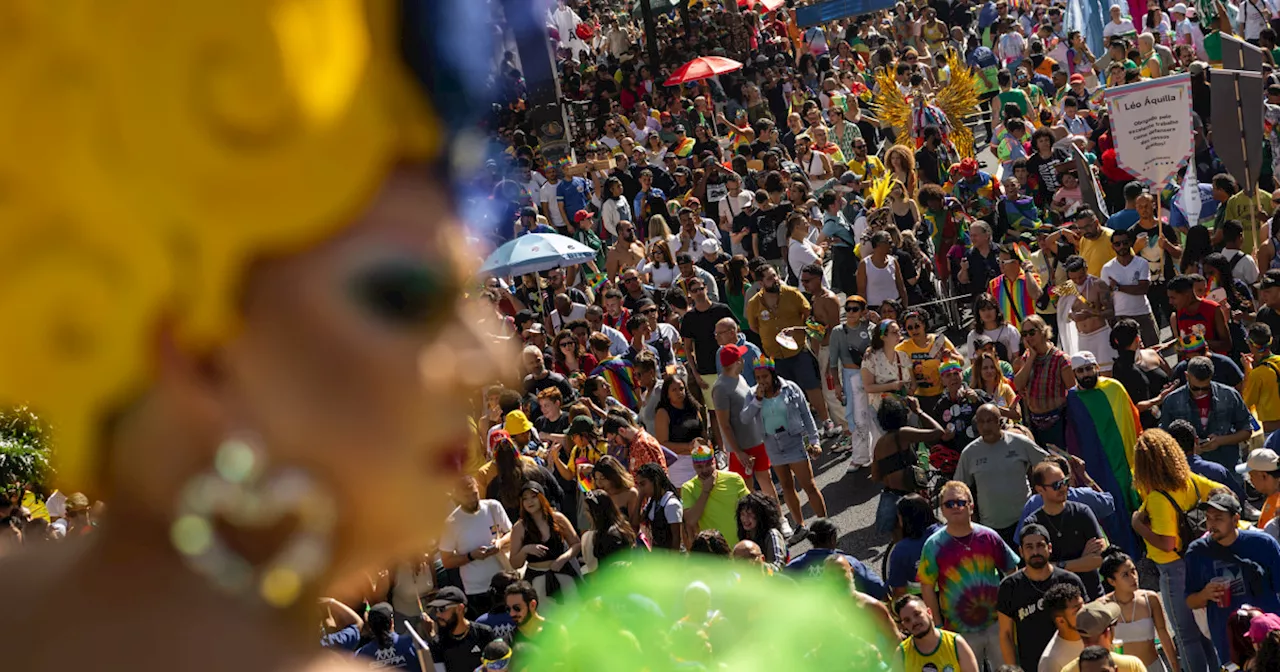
684 149
1101 428
621 378
1013 297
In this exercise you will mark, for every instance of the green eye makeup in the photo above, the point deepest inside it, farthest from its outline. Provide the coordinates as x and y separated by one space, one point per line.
403 293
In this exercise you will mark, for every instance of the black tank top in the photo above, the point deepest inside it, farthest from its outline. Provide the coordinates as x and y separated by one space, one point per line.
555 543
685 424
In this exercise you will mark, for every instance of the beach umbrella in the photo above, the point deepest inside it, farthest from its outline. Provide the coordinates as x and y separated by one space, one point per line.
702 67
534 253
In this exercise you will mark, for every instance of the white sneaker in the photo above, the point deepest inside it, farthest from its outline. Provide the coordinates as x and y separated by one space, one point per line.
786 528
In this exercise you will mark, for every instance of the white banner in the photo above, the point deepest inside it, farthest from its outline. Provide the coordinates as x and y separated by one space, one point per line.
1151 126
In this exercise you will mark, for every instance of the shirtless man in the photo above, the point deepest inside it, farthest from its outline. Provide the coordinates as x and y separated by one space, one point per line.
825 309
626 253
1091 311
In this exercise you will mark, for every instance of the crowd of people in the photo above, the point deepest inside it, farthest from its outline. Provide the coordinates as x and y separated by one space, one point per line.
1048 392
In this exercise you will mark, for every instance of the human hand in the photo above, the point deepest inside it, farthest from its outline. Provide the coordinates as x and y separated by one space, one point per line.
913 404
1094 546
709 481
535 550
1111 282
559 563
1215 591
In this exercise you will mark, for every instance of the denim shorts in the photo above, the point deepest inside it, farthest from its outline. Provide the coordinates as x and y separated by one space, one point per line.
887 510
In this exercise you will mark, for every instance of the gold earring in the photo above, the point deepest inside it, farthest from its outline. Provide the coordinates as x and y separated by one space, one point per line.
240 492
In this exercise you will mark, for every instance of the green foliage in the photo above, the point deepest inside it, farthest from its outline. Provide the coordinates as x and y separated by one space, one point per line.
24 449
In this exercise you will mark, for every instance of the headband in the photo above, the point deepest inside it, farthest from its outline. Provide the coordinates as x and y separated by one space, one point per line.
884 327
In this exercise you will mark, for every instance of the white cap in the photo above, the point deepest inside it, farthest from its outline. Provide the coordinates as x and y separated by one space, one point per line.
1082 359
710 246
1262 459
746 199
1179 9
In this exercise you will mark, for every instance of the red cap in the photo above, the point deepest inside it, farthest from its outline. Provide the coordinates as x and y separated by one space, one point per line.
730 354
969 167
1076 78
580 215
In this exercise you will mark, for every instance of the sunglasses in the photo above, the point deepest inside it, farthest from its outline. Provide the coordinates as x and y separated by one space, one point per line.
1196 388
853 308
955 503
915 327
1030 332
1056 485
649 311
631 280
565 344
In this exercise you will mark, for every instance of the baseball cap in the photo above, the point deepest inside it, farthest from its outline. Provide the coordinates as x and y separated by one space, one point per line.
746 199
1260 626
1270 280
1262 459
1196 67
445 597
730 354
384 610
1082 359
581 215
981 341
710 245
1095 617
848 177
580 425
1076 78
1178 9
680 129
528 211
1225 502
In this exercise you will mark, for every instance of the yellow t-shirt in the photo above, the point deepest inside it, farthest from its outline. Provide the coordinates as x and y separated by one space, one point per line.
1097 252
945 657
1164 520
1124 663
1261 393
925 362
868 170
792 310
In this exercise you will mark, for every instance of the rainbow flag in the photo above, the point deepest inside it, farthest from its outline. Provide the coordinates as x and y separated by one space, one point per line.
1013 297
685 149
620 375
1101 427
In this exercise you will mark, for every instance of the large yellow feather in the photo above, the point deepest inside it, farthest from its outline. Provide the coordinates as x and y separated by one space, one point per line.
891 107
958 99
878 194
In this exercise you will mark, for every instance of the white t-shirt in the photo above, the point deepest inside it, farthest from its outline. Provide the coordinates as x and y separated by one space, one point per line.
1058 654
465 532
661 275
551 200
1125 27
534 186
1006 334
1246 269
800 254
577 311
1139 269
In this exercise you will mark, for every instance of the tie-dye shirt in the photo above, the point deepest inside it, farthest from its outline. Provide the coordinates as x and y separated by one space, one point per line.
967 574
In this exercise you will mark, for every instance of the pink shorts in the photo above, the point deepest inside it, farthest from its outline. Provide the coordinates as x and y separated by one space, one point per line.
761 462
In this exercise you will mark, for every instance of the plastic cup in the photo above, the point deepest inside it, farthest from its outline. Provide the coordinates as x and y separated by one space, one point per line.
1225 600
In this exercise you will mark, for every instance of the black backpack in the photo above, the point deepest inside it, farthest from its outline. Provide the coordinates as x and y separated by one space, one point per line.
1192 523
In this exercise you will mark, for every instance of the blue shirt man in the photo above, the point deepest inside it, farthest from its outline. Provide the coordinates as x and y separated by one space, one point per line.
1230 567
574 193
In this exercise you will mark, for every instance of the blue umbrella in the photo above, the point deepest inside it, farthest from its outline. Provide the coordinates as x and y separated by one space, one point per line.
534 253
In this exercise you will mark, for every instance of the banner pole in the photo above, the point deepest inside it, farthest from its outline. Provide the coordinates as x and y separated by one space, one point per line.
1250 188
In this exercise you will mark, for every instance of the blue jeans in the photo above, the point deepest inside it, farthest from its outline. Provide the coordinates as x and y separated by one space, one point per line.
1194 650
887 511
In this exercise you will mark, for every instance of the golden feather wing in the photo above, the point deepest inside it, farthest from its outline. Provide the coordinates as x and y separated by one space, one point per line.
891 106
958 99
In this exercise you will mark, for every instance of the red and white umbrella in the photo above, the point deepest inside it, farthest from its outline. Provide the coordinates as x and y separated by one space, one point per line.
702 67
769 5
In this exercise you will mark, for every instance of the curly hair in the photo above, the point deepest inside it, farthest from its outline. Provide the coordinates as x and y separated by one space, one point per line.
1159 463
768 517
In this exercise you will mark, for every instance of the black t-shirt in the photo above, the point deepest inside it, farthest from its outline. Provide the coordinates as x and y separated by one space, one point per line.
1271 318
1047 172
981 269
749 222
1020 599
958 415
558 426
632 303
929 166
700 325
709 265
462 654
532 386
767 225
1069 532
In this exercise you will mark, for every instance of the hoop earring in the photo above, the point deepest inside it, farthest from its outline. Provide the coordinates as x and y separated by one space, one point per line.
238 491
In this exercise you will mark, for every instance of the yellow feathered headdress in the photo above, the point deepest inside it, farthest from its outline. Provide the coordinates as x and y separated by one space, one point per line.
878 193
153 151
